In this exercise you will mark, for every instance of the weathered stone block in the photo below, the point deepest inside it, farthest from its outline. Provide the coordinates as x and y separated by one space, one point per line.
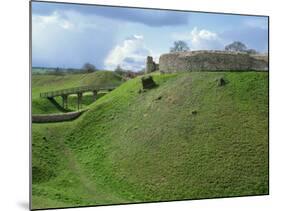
221 82
148 82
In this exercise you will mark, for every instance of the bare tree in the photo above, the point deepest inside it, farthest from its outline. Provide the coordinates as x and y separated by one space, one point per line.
179 46
236 46
118 69
89 68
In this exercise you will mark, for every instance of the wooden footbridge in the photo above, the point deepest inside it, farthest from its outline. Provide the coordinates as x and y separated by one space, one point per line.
64 93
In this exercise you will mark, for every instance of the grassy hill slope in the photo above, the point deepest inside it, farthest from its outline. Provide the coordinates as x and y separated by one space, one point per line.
188 138
45 83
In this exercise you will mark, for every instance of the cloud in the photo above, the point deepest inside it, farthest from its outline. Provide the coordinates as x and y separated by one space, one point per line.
130 54
201 39
65 19
143 16
54 19
253 36
69 39
205 40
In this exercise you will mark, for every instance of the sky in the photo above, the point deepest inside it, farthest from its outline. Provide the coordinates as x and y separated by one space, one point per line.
69 35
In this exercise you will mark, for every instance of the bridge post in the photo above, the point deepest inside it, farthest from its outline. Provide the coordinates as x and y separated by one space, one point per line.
64 101
79 99
95 95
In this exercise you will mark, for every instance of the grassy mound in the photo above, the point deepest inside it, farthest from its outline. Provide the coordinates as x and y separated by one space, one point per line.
187 138
46 83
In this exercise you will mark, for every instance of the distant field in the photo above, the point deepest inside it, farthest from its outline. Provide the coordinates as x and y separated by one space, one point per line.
45 83
186 139
39 70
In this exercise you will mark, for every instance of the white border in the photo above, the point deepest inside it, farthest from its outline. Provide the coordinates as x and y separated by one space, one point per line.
14 48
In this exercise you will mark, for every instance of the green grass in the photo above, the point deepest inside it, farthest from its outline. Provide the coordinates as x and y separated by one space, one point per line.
46 83
136 146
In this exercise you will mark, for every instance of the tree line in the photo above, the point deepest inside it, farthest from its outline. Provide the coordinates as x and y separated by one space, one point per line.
86 68
236 46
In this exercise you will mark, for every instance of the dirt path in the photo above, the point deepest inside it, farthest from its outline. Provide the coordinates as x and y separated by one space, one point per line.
88 185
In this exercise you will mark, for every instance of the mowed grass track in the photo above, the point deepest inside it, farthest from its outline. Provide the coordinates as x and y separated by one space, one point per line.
46 83
188 138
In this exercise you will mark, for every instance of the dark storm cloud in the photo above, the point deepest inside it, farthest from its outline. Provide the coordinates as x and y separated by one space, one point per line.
144 16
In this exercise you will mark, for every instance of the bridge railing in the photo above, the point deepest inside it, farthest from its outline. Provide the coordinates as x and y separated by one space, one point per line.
75 90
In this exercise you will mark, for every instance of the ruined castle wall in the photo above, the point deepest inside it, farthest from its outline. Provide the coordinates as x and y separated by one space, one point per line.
150 65
211 61
260 62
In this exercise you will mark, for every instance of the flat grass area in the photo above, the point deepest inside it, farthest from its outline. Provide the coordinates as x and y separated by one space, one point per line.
188 138
46 83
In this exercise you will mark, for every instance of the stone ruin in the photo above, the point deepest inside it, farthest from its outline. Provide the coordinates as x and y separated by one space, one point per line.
151 66
211 61
148 82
